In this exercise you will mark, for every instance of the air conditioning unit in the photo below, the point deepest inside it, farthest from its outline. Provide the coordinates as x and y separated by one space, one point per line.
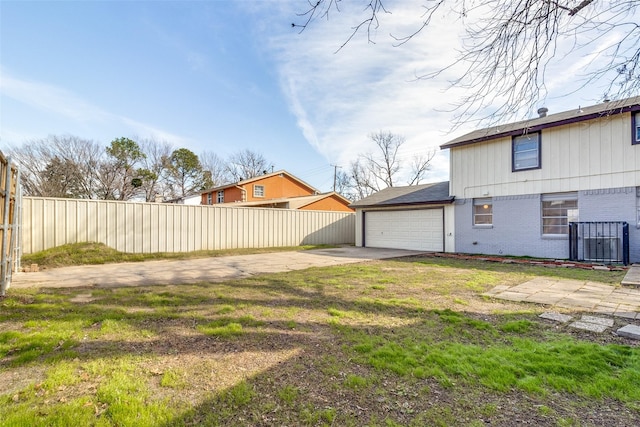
602 248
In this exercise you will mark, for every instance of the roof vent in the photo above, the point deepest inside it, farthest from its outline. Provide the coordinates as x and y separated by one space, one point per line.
542 112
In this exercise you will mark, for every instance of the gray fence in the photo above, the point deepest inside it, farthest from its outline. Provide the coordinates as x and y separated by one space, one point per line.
156 227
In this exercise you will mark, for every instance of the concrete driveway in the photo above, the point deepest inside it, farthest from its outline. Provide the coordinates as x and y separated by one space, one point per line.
198 270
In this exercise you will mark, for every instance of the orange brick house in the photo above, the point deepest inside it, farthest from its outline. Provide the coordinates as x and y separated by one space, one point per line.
275 190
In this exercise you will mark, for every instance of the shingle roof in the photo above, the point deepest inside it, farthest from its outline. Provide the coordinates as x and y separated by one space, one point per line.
426 194
294 202
259 177
538 123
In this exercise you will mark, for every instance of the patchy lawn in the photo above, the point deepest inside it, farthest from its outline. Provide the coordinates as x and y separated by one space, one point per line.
88 253
386 343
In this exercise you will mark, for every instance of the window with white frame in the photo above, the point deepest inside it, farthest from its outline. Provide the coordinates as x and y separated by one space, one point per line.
558 210
258 191
482 212
209 198
220 198
635 128
526 152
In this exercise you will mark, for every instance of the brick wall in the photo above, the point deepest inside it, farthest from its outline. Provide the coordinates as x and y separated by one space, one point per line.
516 228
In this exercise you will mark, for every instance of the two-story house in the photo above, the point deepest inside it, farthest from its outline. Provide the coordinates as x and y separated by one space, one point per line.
518 186
275 190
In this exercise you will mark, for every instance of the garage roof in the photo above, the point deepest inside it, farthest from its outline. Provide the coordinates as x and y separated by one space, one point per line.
426 194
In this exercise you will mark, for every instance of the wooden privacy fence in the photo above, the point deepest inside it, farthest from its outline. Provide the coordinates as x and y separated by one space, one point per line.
9 209
157 227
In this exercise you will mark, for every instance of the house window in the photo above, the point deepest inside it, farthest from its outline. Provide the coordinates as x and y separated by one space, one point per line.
482 212
526 152
558 210
258 191
209 198
220 198
635 128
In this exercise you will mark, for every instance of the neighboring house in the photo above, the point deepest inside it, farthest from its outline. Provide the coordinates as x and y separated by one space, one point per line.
276 190
416 217
517 186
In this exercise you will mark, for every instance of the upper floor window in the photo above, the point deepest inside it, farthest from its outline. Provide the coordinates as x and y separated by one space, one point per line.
558 210
258 191
635 128
526 152
220 198
209 198
482 212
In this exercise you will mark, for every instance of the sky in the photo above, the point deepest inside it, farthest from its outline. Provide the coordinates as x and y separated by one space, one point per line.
225 75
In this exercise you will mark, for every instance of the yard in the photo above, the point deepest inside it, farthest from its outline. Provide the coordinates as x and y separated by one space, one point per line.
387 343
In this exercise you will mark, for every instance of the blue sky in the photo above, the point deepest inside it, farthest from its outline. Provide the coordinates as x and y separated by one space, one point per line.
228 75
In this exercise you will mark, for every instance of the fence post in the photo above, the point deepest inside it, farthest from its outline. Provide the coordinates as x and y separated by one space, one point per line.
625 243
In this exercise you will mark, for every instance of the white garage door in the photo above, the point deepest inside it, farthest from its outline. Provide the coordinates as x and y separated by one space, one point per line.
410 229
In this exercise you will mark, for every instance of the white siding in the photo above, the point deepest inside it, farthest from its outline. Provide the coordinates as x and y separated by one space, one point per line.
588 155
152 227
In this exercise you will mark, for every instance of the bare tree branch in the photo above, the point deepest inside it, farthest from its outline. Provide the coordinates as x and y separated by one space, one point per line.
510 45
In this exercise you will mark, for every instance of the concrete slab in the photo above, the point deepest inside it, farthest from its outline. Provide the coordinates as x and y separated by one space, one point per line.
604 321
558 317
513 296
588 326
631 315
632 278
629 331
199 270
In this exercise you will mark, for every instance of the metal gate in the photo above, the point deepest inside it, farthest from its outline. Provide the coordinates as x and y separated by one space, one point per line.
10 214
606 242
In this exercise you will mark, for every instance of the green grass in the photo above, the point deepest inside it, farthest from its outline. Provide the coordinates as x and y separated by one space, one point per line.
97 253
315 347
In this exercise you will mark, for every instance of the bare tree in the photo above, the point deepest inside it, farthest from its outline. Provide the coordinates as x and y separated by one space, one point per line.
344 185
511 44
216 173
46 164
384 167
245 164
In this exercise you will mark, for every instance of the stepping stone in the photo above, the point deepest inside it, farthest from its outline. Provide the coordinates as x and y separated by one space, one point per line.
629 331
564 318
626 314
603 321
588 326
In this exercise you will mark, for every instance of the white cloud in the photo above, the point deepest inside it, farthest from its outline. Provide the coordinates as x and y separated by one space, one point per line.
63 104
340 98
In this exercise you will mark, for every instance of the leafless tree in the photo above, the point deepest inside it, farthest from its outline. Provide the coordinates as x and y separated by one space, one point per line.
384 167
46 163
344 185
510 45
245 164
215 169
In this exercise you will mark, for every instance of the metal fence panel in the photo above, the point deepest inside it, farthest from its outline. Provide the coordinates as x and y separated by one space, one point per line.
156 227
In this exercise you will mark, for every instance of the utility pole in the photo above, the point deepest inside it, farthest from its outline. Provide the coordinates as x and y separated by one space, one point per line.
335 175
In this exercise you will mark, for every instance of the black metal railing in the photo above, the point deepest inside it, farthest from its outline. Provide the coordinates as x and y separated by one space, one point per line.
605 241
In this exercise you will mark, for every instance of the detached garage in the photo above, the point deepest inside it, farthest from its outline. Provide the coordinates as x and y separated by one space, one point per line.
417 217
